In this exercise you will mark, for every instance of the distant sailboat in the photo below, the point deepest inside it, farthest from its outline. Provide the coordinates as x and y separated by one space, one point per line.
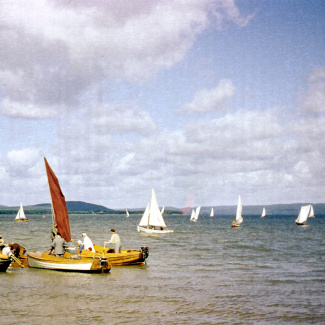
263 213
152 221
195 215
20 217
212 213
162 210
239 218
127 213
306 212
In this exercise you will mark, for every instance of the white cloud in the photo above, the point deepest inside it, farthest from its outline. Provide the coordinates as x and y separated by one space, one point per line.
54 52
214 99
313 99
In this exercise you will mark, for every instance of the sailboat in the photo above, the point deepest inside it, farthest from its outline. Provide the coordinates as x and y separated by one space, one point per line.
20 217
263 213
239 219
127 213
195 215
212 213
152 221
162 210
68 262
306 212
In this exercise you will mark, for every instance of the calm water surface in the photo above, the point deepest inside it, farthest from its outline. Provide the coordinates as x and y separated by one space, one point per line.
269 271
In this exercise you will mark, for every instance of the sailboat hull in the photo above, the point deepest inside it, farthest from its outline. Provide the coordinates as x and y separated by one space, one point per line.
22 220
68 262
300 223
153 231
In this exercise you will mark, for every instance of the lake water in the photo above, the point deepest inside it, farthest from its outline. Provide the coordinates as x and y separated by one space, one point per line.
269 271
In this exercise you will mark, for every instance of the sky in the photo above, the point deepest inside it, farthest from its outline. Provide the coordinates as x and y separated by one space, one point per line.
201 100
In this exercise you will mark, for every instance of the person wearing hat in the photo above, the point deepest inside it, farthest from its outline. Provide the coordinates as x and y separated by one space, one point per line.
88 244
115 239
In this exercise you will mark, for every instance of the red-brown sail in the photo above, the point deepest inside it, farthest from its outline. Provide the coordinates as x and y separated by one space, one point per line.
58 203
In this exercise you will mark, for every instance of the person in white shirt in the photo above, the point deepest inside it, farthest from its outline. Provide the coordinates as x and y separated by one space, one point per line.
115 239
88 244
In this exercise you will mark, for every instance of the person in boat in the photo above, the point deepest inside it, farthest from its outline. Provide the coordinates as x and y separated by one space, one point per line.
54 231
58 245
80 246
15 248
6 250
115 239
1 240
88 244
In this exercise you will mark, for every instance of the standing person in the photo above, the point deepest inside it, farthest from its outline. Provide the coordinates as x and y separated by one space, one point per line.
88 244
54 231
58 245
115 239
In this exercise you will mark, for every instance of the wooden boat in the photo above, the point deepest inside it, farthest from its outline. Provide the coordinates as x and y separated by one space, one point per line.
68 262
306 211
5 261
212 213
125 257
239 219
20 217
21 261
152 221
195 215
263 213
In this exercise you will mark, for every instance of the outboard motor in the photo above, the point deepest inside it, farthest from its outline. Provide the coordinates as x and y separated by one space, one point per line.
145 252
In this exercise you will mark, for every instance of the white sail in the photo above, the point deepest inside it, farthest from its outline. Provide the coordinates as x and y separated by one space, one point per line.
311 213
212 213
144 222
304 213
162 210
197 212
263 213
192 215
239 218
155 217
127 213
152 216
21 214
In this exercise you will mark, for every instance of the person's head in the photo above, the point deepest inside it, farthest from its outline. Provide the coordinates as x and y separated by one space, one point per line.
113 231
84 234
55 225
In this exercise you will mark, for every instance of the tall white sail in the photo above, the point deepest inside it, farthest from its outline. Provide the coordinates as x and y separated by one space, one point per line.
162 210
127 213
192 215
21 214
239 218
212 213
145 218
311 213
304 213
197 212
155 217
263 213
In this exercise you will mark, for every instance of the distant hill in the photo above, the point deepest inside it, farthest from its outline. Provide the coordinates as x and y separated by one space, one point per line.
274 209
45 208
84 207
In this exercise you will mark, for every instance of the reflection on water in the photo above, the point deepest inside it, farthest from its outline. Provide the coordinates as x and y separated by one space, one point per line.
267 271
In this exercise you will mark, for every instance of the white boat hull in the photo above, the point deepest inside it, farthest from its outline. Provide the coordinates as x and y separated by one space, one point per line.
36 260
153 231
